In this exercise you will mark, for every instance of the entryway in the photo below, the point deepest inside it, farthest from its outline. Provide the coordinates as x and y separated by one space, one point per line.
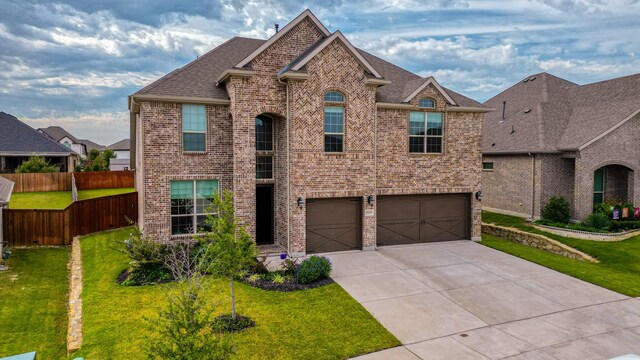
410 219
264 214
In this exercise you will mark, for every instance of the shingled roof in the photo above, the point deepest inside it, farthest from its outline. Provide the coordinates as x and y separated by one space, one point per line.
197 79
544 113
58 133
124 144
18 138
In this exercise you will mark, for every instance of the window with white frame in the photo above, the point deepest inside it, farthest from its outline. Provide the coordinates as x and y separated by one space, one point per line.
425 132
191 202
194 128
333 122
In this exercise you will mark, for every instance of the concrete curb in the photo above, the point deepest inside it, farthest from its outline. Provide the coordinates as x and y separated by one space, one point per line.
536 241
585 235
74 326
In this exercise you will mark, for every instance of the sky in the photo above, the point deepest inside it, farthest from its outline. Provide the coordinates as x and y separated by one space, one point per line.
73 63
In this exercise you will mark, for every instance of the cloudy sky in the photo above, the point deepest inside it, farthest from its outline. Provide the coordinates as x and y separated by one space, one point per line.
73 63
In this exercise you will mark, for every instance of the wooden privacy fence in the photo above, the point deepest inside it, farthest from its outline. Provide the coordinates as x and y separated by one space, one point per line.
25 227
62 181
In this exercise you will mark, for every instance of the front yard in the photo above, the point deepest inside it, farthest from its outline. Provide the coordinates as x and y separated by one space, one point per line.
618 270
33 308
58 199
320 323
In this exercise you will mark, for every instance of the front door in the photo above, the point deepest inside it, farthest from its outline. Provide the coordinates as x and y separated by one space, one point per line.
264 214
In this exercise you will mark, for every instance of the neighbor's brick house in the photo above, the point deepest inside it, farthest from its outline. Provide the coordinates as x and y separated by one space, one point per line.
551 137
313 137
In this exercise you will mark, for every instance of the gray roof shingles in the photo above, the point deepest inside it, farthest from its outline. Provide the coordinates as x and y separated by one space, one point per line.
197 79
17 137
563 116
124 144
57 133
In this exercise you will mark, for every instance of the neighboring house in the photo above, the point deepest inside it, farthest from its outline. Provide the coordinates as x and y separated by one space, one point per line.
122 151
18 141
551 137
326 147
80 146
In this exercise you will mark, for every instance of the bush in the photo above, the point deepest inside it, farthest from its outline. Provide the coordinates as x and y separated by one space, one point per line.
625 225
313 268
36 164
602 208
557 210
147 260
290 266
598 221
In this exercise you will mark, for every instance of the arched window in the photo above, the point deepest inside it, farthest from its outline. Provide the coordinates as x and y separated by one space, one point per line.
333 96
427 103
333 122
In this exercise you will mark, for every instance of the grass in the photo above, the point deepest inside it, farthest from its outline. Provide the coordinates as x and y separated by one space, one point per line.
58 199
321 323
618 270
33 311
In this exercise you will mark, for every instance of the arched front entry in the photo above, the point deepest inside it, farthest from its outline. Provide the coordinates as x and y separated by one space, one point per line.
613 184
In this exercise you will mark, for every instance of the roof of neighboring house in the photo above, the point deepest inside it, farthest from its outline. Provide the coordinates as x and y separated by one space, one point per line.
124 144
57 133
18 138
562 116
191 80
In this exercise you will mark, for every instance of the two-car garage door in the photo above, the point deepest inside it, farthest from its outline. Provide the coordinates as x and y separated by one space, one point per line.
422 218
336 224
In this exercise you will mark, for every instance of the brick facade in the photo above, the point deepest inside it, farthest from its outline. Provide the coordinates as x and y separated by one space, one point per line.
375 160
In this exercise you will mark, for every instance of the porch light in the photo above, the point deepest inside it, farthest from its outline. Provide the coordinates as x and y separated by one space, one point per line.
479 195
300 202
371 200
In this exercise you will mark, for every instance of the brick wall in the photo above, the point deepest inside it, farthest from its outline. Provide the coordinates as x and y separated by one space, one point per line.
557 176
508 186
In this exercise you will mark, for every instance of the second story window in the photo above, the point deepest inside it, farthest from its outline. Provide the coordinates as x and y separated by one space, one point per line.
264 147
425 132
426 103
194 128
333 122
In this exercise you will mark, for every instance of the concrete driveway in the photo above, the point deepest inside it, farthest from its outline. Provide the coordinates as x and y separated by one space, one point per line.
461 300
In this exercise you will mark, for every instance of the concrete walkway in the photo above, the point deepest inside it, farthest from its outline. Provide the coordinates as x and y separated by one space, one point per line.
461 300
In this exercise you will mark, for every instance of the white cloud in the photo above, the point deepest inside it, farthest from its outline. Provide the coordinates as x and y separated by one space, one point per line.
103 128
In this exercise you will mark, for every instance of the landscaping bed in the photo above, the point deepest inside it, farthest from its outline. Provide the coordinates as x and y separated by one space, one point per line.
618 270
288 284
58 199
321 323
33 303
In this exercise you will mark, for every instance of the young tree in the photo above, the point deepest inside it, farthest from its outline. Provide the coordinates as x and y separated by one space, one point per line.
228 248
183 331
36 164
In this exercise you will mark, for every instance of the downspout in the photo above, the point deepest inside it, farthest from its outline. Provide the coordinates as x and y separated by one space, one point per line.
533 185
288 170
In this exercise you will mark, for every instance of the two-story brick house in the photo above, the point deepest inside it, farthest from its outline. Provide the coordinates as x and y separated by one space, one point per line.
326 147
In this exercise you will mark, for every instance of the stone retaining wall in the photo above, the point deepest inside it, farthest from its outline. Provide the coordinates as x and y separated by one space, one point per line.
585 235
74 326
536 241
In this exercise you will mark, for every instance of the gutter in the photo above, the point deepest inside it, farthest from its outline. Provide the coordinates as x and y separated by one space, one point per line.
171 98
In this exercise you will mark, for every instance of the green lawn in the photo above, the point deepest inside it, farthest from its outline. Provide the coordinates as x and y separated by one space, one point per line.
618 270
33 295
58 199
321 323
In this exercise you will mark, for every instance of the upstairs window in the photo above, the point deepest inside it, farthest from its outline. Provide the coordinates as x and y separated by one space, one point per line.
264 147
333 122
427 103
194 128
425 132
191 202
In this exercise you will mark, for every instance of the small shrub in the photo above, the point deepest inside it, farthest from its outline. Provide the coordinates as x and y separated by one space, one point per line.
36 164
147 260
227 324
602 208
625 225
598 221
557 209
260 265
290 266
254 277
278 278
313 268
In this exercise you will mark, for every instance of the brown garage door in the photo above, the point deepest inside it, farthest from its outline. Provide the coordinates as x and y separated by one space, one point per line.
422 218
333 225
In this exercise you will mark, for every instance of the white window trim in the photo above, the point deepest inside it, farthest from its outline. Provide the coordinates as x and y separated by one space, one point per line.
195 214
194 132
425 136
344 121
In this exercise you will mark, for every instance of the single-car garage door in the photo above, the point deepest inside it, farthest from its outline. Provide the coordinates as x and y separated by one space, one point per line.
333 225
422 218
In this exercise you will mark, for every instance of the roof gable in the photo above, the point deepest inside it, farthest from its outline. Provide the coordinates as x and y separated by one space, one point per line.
307 14
19 138
303 59
423 84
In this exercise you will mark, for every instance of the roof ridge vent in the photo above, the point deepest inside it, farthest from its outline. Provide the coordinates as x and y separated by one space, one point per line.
527 111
